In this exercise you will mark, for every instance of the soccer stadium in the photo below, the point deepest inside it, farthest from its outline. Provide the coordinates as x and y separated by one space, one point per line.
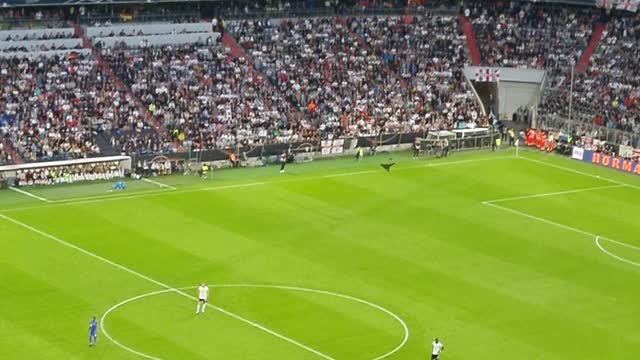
319 179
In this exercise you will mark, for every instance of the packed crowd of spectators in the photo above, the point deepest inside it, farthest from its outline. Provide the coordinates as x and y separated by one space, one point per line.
428 53
523 34
360 76
53 107
609 90
607 93
538 36
204 97
314 78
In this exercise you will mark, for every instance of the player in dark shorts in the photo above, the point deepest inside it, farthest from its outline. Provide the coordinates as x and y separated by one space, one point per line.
436 348
283 162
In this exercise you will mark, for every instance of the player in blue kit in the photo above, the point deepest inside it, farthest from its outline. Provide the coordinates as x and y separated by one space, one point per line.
93 332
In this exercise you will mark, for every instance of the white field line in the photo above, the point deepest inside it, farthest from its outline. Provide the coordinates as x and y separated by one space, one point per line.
581 172
163 285
557 193
349 174
141 194
616 256
566 227
573 229
29 194
103 198
549 222
158 183
263 286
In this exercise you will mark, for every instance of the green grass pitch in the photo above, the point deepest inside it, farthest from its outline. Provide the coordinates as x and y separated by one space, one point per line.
493 254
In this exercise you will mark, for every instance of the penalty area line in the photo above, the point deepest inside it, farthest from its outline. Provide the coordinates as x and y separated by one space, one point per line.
29 194
556 193
163 285
575 230
158 183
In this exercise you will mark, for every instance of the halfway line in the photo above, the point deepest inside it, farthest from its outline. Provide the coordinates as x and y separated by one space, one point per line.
177 291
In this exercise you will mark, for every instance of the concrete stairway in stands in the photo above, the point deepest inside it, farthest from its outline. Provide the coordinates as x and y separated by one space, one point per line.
596 36
472 45
15 158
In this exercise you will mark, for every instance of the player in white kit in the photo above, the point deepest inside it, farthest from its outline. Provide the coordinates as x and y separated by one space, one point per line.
203 296
436 348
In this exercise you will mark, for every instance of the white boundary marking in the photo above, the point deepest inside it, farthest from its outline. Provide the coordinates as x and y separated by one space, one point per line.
163 285
581 172
103 198
492 203
576 230
532 217
281 287
614 255
574 191
29 194
158 183
349 174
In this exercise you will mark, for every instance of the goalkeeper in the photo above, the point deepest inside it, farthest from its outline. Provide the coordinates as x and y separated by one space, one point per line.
120 185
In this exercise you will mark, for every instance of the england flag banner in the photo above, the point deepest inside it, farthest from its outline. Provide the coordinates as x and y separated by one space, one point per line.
487 75
628 5
625 5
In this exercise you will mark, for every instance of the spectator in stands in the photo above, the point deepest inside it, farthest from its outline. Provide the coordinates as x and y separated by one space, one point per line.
203 96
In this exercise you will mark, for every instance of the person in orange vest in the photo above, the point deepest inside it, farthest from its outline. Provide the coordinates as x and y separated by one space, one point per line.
543 142
311 106
552 145
530 137
234 160
538 139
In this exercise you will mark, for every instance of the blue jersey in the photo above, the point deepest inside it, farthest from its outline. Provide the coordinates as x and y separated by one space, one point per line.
93 327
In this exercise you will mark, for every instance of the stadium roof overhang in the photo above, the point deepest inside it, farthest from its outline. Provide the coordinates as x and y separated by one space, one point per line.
620 4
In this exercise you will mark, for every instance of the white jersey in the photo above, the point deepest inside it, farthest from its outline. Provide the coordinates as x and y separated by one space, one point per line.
437 348
203 292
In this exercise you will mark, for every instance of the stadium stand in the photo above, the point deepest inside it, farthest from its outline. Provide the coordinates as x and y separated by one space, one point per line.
203 95
529 35
337 73
122 87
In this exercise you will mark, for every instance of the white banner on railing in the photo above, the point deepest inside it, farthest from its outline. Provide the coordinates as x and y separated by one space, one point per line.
578 153
49 164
